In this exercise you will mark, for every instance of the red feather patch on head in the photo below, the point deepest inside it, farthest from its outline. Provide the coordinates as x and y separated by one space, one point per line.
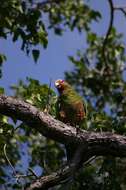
62 81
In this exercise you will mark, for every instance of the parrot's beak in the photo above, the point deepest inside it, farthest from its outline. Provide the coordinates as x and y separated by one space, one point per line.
58 83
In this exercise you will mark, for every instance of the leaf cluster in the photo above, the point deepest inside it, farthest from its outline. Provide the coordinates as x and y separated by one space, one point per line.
101 80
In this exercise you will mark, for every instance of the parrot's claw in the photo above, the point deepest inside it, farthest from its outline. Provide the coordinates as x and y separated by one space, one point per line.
77 130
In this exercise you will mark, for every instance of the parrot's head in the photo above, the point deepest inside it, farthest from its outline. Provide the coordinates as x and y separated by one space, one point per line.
61 85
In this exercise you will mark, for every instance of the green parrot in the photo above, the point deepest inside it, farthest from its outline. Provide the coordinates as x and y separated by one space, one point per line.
71 108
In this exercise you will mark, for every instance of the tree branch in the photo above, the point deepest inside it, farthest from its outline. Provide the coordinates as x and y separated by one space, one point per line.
41 5
122 9
109 29
98 143
91 143
51 180
62 175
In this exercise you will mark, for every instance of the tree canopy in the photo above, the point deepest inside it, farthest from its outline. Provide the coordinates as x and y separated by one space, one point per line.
32 151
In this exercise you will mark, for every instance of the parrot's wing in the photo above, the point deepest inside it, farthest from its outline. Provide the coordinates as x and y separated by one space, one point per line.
85 108
60 113
57 107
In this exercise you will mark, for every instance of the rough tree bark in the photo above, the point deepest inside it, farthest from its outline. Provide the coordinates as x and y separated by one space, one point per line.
92 143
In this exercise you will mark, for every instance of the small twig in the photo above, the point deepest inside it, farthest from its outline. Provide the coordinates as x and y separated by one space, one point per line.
46 110
17 176
117 8
109 30
16 128
41 5
86 59
46 168
33 173
5 153
90 160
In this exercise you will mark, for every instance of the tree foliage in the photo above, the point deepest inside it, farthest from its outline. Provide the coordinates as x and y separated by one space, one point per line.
98 75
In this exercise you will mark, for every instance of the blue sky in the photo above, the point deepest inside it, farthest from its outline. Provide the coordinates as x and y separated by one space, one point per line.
53 61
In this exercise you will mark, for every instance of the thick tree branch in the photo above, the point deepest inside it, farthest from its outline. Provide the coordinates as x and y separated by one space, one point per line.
51 180
91 143
96 143
56 178
62 175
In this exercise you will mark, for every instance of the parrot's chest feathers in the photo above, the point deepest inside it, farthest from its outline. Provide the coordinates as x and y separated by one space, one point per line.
71 108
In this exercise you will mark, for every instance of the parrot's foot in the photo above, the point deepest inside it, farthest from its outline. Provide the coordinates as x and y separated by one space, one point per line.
62 169
77 130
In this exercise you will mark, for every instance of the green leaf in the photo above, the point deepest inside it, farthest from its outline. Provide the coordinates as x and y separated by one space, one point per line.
14 119
2 58
58 31
2 181
35 54
1 90
43 37
16 35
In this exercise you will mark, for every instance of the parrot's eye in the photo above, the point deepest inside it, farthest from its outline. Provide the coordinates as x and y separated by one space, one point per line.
62 81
